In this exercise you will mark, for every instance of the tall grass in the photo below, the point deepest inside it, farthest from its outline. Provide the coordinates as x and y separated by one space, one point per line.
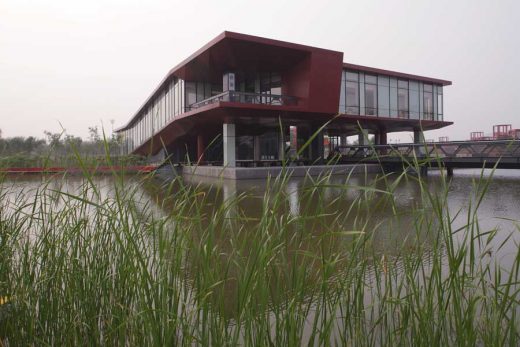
145 263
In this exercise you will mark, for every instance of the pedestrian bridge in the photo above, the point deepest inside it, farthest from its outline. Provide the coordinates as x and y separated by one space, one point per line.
502 154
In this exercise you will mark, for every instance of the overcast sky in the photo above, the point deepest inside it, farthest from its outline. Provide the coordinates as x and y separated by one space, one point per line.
81 63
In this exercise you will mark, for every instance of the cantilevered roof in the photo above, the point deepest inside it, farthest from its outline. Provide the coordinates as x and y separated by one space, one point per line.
396 74
188 66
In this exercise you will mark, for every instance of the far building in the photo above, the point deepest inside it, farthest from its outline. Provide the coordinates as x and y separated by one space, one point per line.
241 100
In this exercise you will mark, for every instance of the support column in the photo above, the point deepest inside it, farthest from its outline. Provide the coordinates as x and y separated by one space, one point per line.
380 139
377 138
201 147
418 136
228 131
383 137
316 147
363 137
281 145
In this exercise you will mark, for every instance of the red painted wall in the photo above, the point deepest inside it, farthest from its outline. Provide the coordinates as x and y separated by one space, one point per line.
325 81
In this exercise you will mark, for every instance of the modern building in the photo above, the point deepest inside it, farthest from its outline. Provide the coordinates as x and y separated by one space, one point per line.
242 99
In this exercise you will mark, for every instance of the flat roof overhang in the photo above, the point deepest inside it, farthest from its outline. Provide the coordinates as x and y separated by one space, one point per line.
209 119
396 74
235 51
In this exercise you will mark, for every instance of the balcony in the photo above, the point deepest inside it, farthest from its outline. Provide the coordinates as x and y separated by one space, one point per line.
248 98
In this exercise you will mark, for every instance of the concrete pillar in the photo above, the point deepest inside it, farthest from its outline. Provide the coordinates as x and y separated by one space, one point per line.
228 131
363 137
229 200
281 145
418 136
201 147
383 137
377 138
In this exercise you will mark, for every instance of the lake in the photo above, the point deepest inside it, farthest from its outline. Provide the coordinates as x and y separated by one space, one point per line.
253 254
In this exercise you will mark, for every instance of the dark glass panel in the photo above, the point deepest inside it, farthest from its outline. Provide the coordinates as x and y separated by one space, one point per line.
353 97
370 99
352 76
402 84
245 147
402 103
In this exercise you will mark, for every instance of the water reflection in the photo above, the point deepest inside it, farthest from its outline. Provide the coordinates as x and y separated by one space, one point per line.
400 223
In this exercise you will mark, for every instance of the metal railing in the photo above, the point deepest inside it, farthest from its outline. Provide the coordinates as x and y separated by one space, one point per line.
453 149
248 98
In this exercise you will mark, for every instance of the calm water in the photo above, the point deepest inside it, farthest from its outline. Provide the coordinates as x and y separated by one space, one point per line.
500 208
393 233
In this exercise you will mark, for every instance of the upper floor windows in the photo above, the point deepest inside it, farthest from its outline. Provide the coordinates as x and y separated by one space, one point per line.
371 95
385 96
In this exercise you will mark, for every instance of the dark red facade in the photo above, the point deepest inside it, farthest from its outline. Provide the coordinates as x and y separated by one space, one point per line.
310 76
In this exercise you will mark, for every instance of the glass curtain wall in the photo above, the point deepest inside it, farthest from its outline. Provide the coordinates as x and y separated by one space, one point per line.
370 95
386 96
414 99
440 106
402 99
383 95
428 102
155 115
199 91
352 92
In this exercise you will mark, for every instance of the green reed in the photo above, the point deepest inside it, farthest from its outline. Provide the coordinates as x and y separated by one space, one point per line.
112 266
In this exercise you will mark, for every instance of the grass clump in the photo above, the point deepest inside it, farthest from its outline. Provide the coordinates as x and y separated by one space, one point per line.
127 262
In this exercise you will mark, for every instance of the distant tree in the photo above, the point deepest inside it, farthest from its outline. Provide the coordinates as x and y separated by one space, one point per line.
73 141
94 134
53 139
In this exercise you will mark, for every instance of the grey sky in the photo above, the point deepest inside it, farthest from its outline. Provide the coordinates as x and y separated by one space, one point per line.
82 62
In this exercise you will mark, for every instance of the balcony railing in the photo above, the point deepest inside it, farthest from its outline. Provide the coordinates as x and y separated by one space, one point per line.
248 98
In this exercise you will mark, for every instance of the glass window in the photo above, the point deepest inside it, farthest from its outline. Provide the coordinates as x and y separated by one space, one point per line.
352 76
393 97
200 91
352 97
370 95
207 90
191 93
342 94
428 101
245 148
268 146
402 99
383 96
176 98
276 84
265 83
370 79
402 84
414 103
439 106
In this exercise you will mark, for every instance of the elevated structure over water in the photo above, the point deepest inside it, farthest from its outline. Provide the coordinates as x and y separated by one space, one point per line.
244 100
